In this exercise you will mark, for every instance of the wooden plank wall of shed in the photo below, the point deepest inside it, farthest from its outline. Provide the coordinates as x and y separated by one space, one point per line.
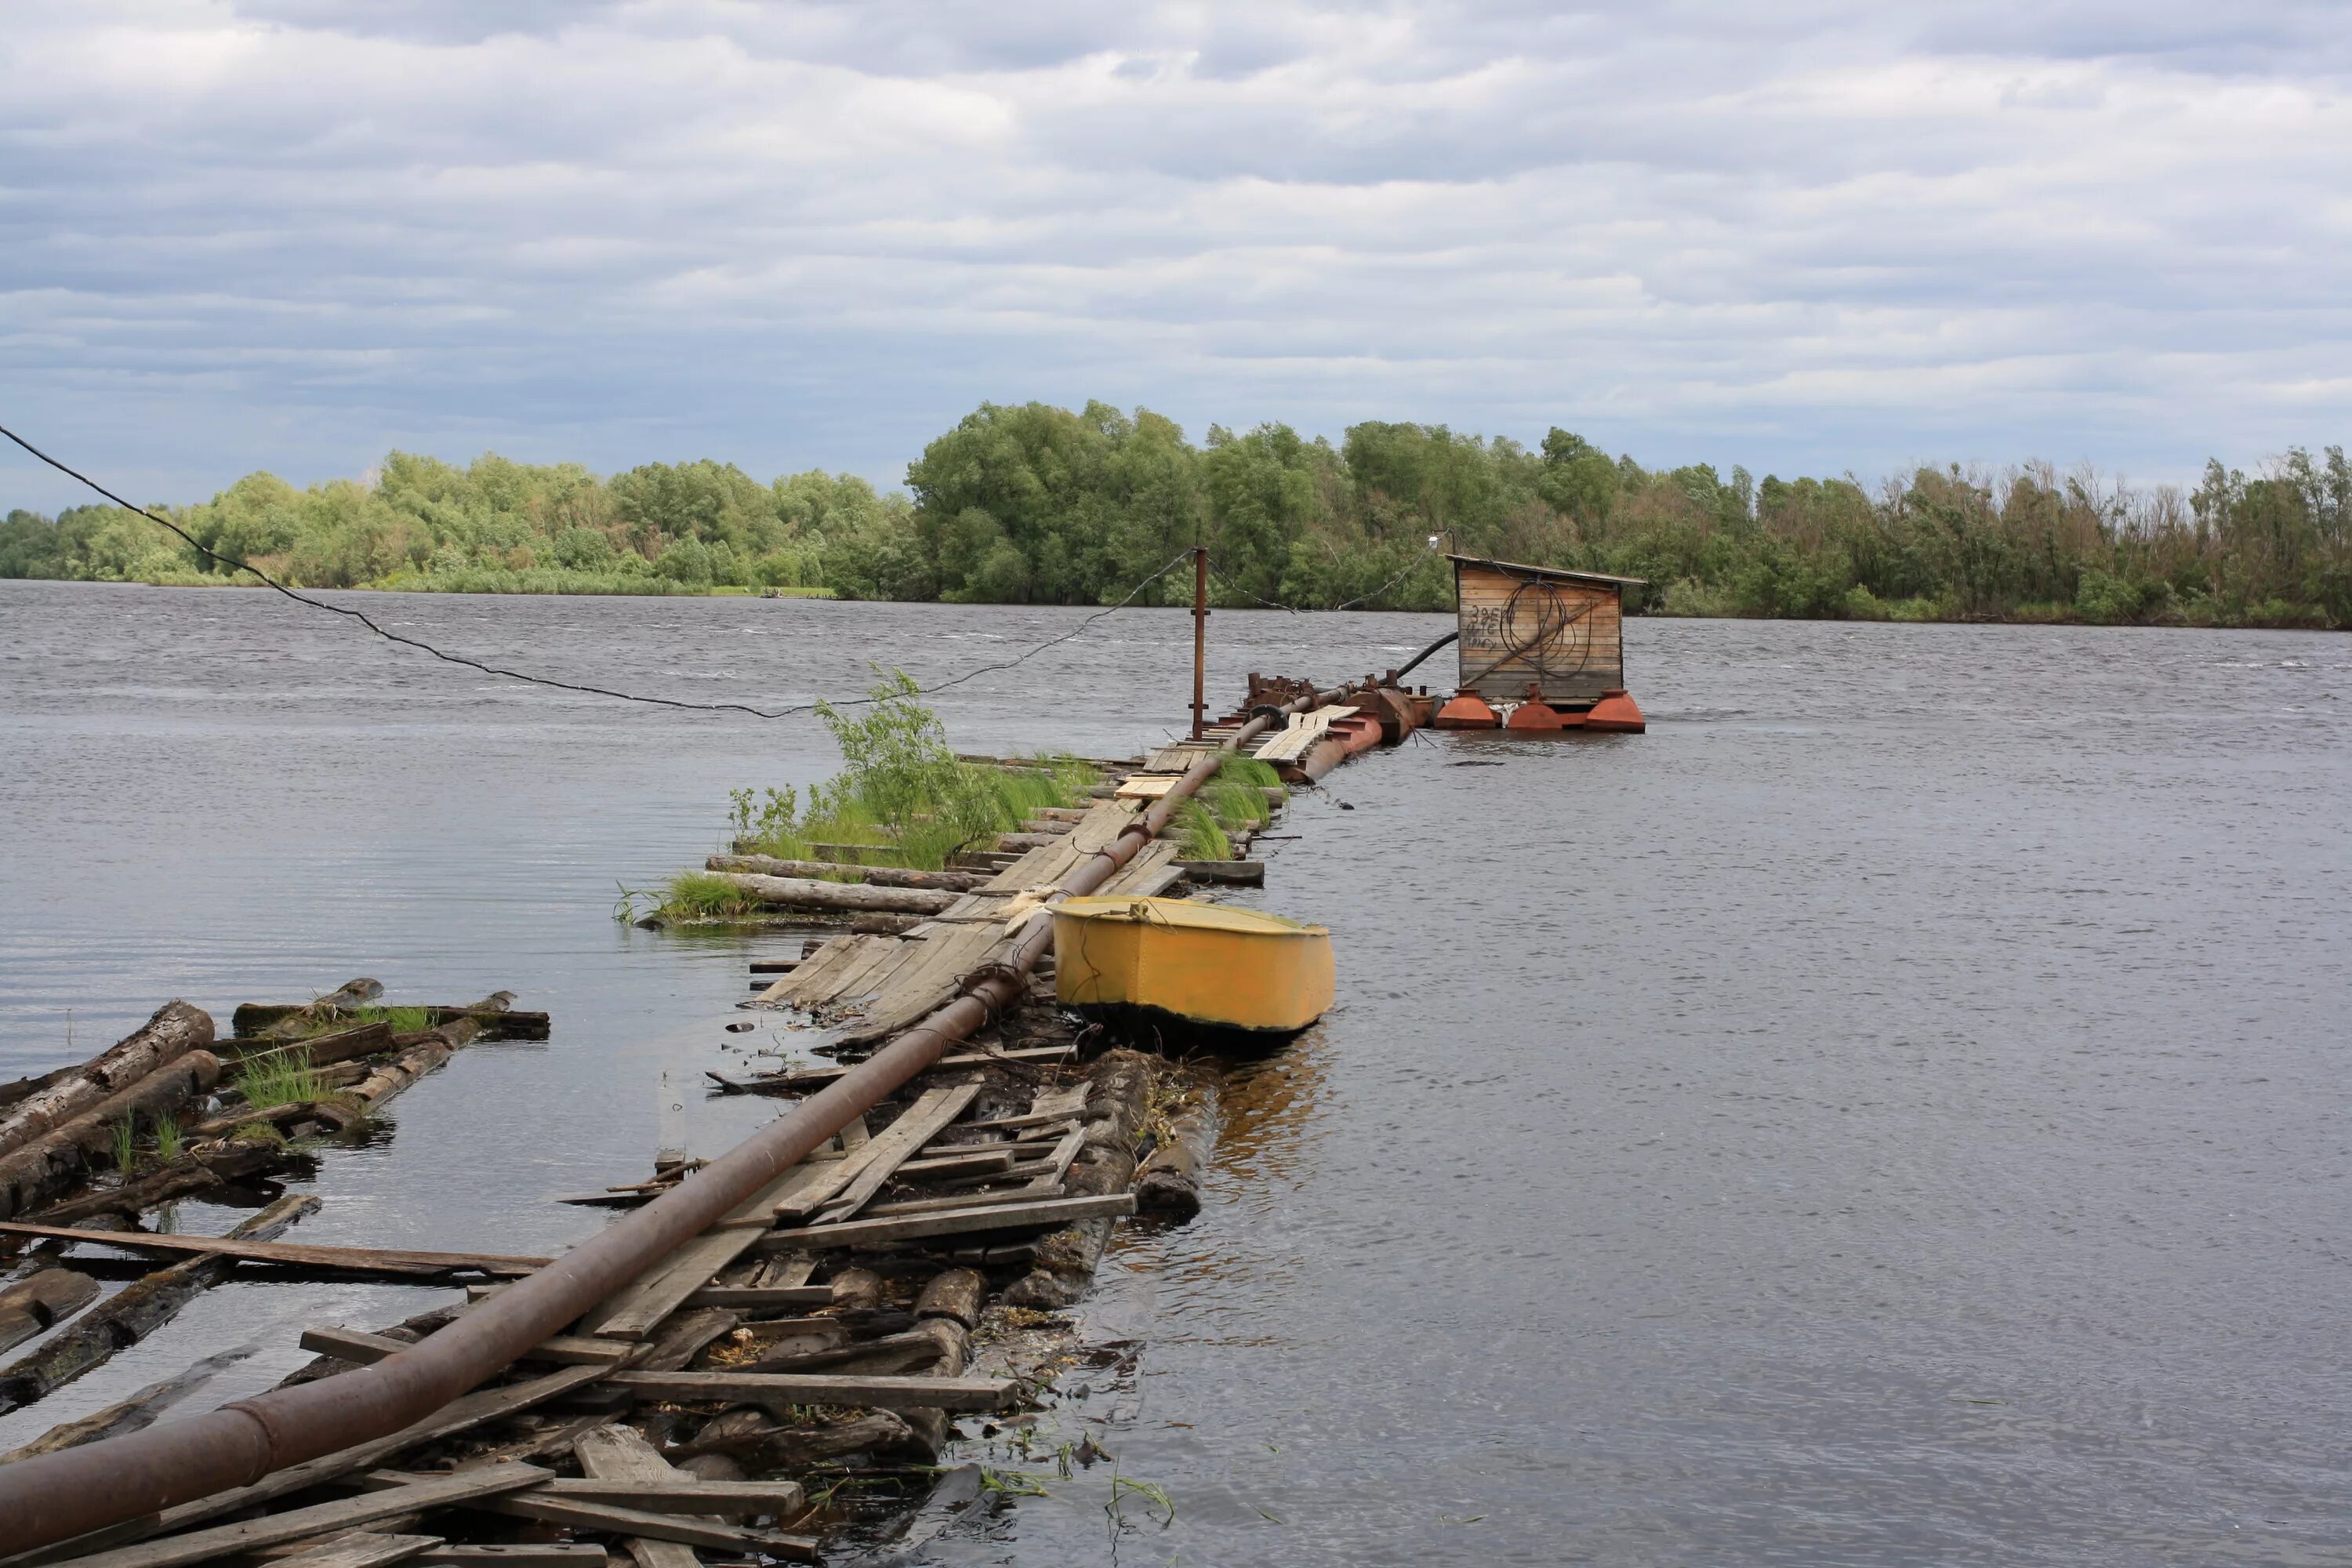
1484 598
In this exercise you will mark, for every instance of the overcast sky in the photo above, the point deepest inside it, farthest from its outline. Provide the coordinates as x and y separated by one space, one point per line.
1810 236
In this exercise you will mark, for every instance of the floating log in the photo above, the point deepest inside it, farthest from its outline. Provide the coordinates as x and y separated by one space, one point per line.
873 876
288 1019
53 1163
1232 873
793 1082
136 1311
133 1413
318 1050
840 897
780 1391
958 1294
238 1246
38 1303
24 1088
176 1029
505 1023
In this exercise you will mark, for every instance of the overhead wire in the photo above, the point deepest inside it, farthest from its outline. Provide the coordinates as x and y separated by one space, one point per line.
353 613
1411 567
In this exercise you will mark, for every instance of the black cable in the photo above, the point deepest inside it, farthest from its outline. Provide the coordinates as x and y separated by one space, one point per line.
1411 567
361 616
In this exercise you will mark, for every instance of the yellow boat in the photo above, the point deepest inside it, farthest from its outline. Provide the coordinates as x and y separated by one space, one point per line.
1204 964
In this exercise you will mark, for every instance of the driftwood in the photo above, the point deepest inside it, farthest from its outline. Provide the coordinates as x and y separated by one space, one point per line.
957 1294
290 1020
176 1029
794 1081
1234 873
133 1413
57 1161
39 1302
239 1244
318 1050
200 1170
823 870
839 897
135 1311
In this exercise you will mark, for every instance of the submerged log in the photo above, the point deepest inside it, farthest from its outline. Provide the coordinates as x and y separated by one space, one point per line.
56 1161
846 898
873 876
957 1294
199 1170
176 1029
133 1413
39 1302
135 1311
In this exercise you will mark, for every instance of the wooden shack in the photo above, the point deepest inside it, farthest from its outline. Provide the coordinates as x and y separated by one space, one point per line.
1560 632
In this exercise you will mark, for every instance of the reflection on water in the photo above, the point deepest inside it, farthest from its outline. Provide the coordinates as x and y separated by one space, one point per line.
1891 1112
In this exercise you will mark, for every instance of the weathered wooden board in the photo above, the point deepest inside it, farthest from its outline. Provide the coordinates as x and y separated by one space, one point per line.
1151 872
849 1183
360 1260
781 1390
1562 634
1290 743
348 1514
1025 1215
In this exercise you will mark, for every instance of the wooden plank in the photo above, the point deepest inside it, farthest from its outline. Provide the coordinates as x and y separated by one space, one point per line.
527 1554
920 989
779 1391
810 977
678 1491
979 1160
1148 786
364 1349
622 1454
1149 863
637 1523
755 1298
636 1308
922 1121
347 1513
814 1076
371 1260
1050 1214
1046 1186
364 1548
1057 1165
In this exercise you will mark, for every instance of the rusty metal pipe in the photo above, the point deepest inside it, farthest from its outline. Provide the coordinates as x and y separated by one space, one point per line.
56 1497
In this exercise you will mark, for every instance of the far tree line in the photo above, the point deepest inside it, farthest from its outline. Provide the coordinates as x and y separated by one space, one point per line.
1034 504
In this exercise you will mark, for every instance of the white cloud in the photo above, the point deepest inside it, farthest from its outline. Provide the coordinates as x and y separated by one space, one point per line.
293 233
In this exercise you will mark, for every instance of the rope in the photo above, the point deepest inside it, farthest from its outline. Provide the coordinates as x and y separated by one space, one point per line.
364 619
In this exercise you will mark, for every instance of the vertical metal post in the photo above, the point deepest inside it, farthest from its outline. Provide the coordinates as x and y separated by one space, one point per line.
1200 636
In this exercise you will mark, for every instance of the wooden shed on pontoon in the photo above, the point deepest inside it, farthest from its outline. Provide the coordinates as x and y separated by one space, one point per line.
1557 632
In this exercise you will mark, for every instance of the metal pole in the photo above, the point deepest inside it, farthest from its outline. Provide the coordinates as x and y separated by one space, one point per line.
1200 636
72 1492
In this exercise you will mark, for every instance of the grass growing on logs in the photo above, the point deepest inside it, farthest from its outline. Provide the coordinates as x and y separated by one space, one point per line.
400 1020
126 1145
168 1140
279 1079
697 896
902 791
1199 834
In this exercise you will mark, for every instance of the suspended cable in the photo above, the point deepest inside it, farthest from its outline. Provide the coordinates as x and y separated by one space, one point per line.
361 616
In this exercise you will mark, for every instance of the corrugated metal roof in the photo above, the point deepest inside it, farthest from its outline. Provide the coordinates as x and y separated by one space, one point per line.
1518 569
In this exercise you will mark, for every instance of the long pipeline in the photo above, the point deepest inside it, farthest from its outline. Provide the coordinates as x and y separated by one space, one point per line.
56 1497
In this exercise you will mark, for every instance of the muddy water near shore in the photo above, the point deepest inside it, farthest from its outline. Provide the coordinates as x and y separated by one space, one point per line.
1893 1112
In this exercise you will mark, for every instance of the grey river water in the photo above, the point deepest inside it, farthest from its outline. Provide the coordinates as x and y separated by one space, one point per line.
1893 1112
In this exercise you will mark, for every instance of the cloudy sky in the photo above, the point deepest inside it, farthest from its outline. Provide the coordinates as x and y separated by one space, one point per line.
1816 236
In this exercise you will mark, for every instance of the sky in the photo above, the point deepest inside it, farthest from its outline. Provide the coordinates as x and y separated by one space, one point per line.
1817 237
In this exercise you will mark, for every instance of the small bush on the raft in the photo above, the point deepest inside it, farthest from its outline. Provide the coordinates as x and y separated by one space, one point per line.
169 1140
1249 771
1198 834
902 791
279 1078
1238 805
703 896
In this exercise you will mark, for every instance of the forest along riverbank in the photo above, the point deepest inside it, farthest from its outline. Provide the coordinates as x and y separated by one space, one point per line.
690 1389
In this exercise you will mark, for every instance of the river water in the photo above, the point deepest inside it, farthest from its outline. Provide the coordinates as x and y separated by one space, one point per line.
1893 1111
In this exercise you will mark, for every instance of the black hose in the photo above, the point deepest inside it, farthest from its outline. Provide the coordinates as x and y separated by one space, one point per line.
1453 636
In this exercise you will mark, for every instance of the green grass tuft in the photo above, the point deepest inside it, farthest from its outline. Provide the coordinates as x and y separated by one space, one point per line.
1198 834
1240 806
168 1139
703 896
281 1078
1249 771
403 1020
126 1145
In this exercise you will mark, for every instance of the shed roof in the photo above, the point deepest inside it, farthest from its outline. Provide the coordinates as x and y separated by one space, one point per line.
1516 569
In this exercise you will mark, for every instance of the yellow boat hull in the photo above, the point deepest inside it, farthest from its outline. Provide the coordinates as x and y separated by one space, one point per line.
1205 964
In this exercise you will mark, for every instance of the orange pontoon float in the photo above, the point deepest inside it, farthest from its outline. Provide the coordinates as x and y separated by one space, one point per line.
1541 650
